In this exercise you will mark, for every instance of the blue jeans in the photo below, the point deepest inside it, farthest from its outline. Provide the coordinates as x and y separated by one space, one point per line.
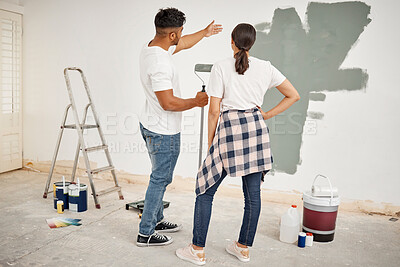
163 152
252 207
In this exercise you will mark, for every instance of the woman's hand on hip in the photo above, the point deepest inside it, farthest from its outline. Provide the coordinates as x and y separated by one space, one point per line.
264 114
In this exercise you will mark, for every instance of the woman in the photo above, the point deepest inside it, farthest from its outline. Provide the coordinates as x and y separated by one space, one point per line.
240 146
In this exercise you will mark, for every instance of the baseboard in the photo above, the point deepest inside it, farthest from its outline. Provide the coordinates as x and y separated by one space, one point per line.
187 184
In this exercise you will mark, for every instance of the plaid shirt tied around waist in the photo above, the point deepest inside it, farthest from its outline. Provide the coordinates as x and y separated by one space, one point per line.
240 146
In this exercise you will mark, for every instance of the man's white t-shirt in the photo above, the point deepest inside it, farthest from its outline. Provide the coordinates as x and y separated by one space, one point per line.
243 91
158 73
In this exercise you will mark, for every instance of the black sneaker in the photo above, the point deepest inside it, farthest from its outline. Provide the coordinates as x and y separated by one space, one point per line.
153 240
168 227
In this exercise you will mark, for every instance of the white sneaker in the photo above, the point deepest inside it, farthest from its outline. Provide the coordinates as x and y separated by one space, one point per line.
189 254
241 253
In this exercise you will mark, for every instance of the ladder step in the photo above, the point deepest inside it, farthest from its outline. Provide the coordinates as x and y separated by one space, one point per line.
108 190
84 126
95 148
102 169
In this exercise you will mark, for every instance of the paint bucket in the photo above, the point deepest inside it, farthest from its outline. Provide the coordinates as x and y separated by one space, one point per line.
60 192
77 197
319 214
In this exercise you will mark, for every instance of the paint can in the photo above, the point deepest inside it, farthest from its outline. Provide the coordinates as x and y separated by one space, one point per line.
60 192
77 197
319 214
301 242
309 239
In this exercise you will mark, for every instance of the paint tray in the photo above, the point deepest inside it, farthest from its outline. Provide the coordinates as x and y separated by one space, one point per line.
139 205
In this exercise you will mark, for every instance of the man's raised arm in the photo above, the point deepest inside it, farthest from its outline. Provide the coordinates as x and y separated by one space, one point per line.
190 40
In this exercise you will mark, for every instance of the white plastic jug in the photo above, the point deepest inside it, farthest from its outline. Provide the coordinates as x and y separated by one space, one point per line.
290 225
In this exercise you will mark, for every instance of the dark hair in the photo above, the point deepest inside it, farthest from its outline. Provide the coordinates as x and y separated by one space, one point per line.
168 18
244 36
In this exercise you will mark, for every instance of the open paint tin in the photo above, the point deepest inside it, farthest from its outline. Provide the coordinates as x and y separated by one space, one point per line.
77 197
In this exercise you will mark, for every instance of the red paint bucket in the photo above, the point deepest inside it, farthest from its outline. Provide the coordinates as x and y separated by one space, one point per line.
319 214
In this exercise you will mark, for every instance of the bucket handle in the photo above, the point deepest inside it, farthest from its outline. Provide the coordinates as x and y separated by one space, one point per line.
330 185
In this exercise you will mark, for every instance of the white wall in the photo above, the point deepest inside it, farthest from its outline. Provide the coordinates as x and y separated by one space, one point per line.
13 2
104 39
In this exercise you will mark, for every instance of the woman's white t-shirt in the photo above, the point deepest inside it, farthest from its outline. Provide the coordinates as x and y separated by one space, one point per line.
243 91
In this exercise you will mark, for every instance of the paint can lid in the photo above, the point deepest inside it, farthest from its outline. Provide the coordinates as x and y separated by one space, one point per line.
60 202
60 184
309 234
302 234
294 206
82 187
320 201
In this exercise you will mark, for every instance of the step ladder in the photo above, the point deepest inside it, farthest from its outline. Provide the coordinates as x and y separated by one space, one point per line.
80 127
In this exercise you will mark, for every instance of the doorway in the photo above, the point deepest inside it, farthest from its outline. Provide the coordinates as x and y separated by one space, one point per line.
10 91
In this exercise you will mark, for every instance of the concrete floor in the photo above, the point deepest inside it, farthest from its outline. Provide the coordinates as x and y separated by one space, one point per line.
107 236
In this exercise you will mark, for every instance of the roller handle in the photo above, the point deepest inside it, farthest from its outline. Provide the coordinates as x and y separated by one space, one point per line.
201 129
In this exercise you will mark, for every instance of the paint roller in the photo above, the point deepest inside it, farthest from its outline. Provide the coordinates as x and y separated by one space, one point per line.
202 68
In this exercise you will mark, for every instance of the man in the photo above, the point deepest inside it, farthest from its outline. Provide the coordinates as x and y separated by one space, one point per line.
160 121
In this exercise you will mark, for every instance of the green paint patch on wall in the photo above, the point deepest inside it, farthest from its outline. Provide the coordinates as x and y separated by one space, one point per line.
317 96
315 115
310 56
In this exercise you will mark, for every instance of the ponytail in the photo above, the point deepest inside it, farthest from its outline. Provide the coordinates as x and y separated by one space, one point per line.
242 61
